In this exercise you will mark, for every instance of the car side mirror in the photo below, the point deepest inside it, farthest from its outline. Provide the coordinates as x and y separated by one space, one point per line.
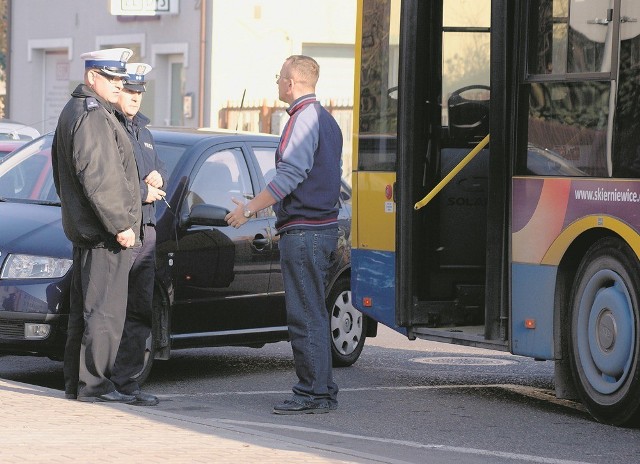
206 215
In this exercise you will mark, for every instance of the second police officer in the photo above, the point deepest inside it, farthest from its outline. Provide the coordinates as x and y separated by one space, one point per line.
152 174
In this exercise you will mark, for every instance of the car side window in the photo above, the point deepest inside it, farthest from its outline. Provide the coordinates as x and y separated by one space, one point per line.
223 175
27 176
266 157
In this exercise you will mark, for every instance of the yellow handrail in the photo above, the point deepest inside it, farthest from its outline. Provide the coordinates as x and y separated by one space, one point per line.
452 173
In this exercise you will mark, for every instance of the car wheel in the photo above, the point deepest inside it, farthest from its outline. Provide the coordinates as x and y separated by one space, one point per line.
605 332
149 354
348 325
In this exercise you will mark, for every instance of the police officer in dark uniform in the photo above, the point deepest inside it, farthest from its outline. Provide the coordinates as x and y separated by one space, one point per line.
96 179
151 174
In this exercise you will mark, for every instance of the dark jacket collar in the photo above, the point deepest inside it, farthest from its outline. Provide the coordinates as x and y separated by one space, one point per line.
84 91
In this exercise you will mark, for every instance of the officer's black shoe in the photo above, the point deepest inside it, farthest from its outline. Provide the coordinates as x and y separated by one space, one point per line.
113 397
144 399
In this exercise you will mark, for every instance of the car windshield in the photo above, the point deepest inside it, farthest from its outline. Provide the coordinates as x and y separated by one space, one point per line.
25 174
170 154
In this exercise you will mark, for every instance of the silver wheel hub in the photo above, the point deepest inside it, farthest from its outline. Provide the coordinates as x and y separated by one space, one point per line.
347 322
606 330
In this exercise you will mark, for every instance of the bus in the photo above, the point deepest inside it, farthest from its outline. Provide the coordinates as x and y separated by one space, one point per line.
496 183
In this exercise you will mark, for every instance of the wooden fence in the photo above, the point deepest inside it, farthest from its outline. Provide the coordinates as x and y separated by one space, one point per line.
271 118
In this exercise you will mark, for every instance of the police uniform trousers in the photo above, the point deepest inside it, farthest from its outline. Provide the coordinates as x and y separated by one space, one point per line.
96 318
137 326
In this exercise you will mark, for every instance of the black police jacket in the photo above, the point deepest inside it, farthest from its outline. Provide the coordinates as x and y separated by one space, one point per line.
95 172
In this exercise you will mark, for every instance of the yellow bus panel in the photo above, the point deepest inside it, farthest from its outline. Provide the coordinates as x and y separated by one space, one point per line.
375 220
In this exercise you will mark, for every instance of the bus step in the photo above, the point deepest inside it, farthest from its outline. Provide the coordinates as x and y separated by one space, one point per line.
466 309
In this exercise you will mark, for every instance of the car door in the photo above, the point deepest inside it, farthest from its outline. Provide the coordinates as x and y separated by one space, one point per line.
220 274
265 156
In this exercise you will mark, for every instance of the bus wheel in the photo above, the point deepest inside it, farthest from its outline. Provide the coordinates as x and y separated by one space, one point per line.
605 325
347 324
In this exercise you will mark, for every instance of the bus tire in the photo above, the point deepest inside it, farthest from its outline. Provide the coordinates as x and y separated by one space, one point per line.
604 332
348 326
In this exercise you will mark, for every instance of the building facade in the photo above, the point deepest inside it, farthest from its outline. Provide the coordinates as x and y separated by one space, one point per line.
214 61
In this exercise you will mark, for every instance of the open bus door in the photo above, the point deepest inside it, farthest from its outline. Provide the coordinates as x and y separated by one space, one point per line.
445 247
425 99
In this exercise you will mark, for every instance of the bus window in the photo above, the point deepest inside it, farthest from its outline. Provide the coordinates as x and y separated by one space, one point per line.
567 129
569 89
465 66
379 86
626 148
569 37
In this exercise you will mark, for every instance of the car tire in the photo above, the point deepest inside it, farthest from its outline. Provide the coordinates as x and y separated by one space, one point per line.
149 355
347 325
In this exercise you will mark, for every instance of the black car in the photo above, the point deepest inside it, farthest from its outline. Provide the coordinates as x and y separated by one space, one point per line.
215 285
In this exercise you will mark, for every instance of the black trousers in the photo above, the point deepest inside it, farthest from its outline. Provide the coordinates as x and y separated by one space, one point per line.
97 312
137 326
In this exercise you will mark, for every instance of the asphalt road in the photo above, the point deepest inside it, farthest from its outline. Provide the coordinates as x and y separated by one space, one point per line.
402 402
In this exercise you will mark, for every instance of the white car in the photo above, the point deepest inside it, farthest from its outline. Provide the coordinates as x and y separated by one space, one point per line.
13 130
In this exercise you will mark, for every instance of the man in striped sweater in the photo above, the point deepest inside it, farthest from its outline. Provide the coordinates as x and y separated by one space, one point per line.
304 193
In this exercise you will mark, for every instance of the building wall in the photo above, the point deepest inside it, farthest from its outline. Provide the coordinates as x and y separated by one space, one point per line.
259 34
70 28
243 46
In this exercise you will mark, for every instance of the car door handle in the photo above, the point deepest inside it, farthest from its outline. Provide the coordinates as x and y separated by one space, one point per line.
260 242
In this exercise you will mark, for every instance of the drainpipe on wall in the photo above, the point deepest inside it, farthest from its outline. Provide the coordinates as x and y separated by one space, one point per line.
7 62
203 50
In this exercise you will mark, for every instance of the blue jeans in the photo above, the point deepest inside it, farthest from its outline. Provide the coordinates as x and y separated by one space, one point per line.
305 258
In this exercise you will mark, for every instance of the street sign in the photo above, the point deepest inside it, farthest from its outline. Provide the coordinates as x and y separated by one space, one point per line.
144 7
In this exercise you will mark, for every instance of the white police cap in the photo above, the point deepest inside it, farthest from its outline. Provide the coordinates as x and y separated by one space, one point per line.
135 76
111 61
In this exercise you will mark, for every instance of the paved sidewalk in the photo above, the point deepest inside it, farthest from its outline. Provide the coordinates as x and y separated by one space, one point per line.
40 426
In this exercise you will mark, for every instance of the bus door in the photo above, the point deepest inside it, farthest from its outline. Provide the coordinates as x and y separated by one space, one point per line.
444 103
424 101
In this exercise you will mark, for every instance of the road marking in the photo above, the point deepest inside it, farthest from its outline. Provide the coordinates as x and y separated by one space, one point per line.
463 361
519 388
540 394
342 390
412 444
531 392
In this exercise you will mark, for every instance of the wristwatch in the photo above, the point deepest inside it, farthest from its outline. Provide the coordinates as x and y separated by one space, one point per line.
247 213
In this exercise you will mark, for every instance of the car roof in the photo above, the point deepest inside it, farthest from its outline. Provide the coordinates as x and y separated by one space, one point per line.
14 130
192 136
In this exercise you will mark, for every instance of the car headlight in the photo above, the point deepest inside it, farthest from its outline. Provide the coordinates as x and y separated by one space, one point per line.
34 267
